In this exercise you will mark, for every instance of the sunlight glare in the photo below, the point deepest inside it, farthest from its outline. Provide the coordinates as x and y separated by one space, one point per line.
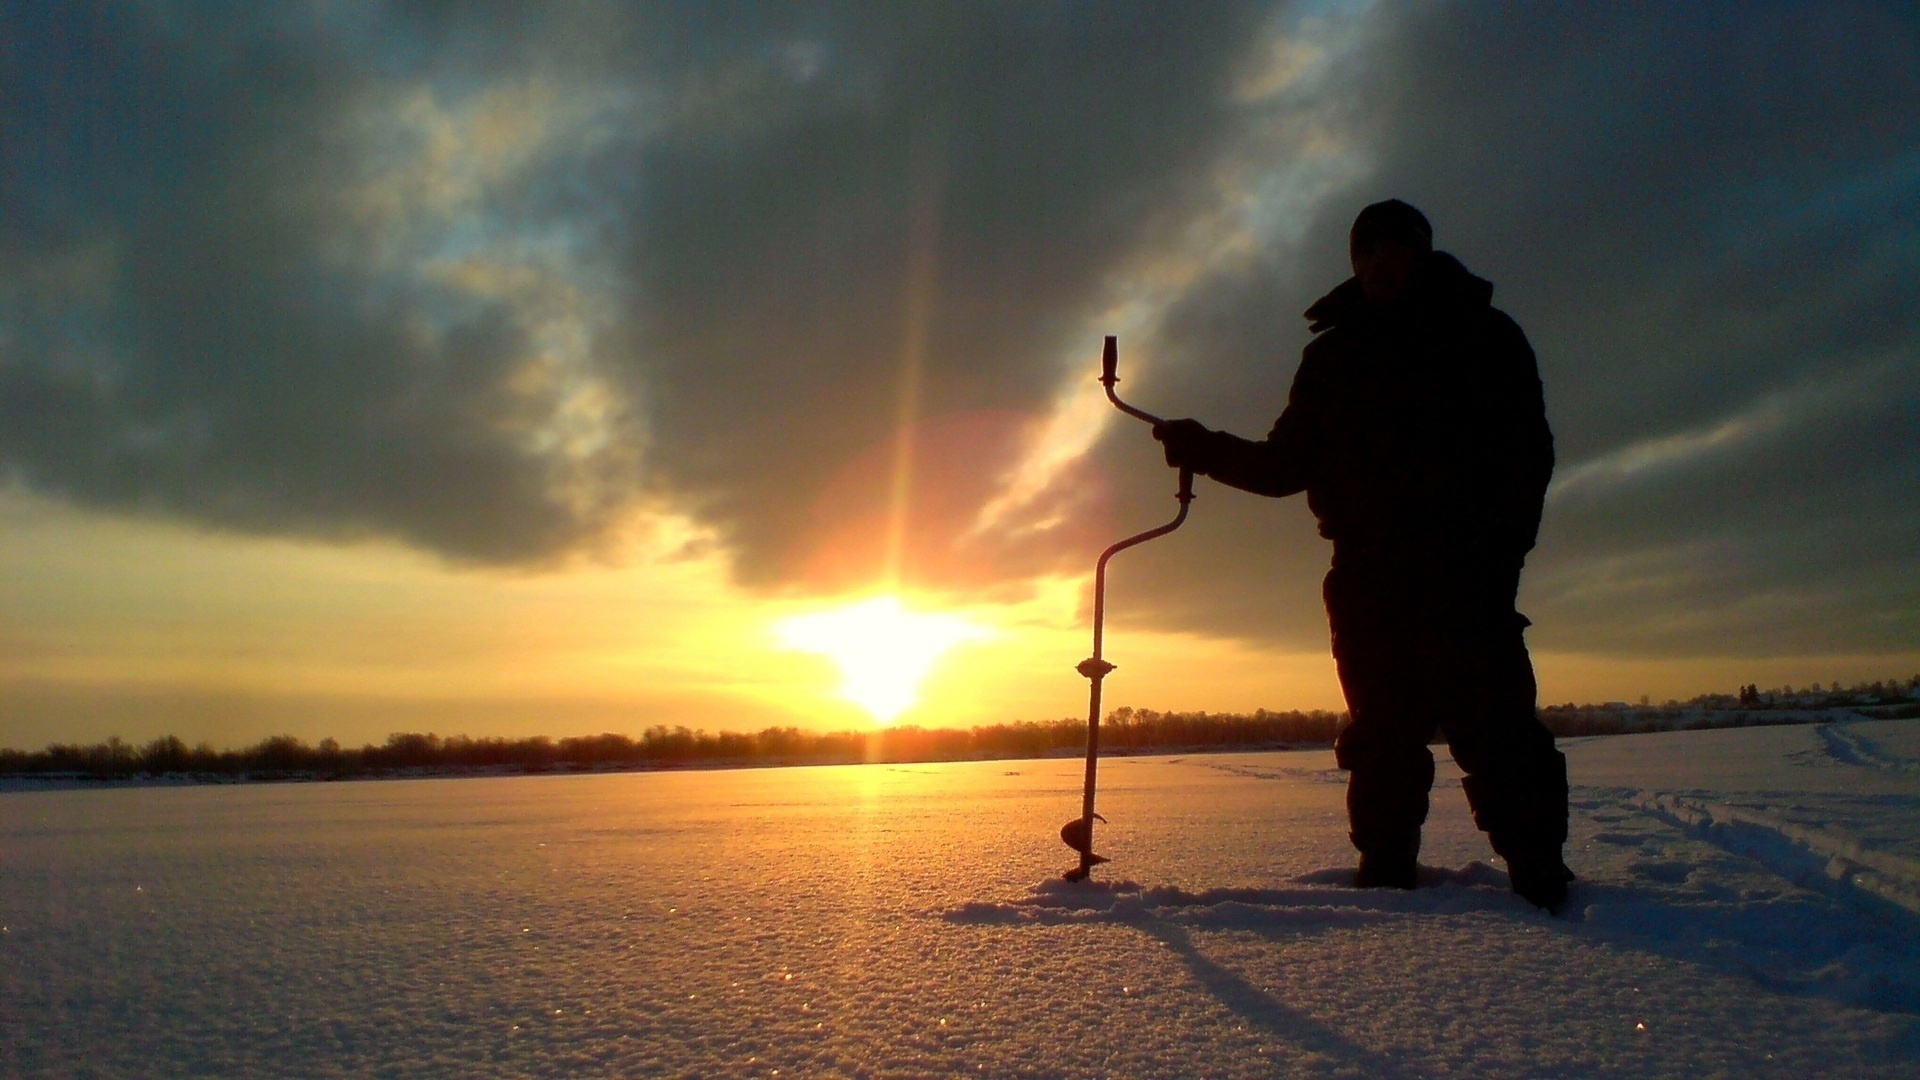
883 650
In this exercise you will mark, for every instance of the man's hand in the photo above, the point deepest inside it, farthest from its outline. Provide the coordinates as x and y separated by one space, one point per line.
1186 443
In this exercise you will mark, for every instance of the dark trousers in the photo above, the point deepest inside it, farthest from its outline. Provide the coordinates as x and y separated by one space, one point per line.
1427 645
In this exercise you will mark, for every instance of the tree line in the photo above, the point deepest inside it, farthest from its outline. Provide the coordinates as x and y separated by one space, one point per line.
1124 730
1749 707
286 757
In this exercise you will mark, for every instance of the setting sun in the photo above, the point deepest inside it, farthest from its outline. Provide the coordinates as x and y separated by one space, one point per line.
883 650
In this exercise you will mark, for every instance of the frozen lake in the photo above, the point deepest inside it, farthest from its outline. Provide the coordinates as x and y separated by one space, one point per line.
1748 906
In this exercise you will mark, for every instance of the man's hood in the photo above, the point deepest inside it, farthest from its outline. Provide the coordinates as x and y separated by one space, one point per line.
1440 282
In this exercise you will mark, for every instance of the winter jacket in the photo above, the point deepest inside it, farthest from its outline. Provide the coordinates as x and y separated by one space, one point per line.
1417 431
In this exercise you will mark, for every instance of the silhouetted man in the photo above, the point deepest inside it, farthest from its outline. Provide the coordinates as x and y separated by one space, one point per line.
1417 429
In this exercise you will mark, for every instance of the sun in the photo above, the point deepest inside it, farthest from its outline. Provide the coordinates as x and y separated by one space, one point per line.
882 649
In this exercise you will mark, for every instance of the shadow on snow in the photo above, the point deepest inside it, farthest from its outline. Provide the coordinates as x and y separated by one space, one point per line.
1791 941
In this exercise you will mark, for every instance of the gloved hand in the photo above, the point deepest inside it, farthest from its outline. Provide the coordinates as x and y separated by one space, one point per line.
1186 443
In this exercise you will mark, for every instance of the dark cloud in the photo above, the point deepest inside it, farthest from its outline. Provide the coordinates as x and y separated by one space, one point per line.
1004 162
289 323
198 319
486 278
1702 215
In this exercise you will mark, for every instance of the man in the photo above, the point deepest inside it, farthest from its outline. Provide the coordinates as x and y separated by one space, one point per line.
1417 429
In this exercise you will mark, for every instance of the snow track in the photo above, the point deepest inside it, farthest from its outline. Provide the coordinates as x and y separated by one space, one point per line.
1797 908
1808 856
1844 742
1802 874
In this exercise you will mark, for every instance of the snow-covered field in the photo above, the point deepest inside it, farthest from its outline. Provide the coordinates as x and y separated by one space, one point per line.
1749 906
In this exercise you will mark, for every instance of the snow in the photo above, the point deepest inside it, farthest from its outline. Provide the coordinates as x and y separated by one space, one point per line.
1749 905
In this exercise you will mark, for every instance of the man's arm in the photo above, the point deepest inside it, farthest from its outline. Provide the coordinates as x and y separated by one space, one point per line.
1279 465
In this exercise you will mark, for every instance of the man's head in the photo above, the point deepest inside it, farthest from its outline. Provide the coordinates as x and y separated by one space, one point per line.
1387 243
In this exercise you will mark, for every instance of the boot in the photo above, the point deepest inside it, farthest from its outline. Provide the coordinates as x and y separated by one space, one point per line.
1378 871
1540 880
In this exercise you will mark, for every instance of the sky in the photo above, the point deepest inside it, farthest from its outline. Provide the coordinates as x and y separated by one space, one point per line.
557 368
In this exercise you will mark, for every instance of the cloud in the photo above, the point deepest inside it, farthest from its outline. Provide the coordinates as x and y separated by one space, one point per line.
251 279
830 277
939 207
488 280
1701 215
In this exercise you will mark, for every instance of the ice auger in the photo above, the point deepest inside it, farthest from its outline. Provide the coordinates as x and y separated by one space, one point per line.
1078 833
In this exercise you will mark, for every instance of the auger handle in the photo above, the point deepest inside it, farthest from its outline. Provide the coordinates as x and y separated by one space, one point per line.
1109 368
